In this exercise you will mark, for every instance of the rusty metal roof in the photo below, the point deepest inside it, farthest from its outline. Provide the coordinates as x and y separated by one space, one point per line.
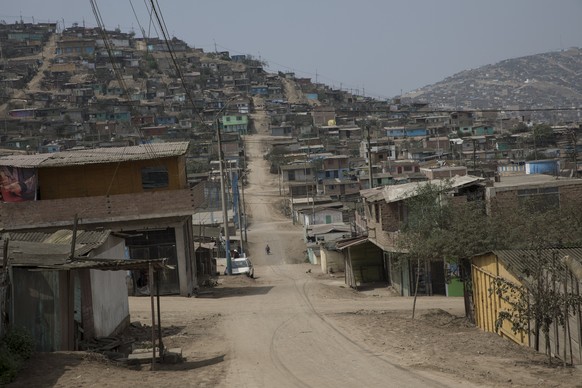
97 155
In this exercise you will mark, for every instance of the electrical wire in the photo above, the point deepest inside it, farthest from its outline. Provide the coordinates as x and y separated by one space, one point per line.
108 46
161 23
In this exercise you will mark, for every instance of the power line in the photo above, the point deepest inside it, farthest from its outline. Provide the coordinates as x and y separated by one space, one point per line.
316 74
109 102
116 70
159 17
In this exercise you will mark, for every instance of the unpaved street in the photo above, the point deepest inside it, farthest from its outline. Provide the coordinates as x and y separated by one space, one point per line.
276 337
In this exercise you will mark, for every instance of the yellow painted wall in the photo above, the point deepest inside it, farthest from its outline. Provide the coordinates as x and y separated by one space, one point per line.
103 179
487 305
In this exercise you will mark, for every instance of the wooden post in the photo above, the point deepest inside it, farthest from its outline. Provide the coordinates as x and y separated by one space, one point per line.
151 285
159 315
4 288
74 238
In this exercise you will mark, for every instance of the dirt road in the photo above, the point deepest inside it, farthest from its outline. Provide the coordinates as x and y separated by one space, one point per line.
276 337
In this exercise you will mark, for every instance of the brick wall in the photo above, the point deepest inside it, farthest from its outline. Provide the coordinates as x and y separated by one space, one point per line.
390 219
570 195
102 209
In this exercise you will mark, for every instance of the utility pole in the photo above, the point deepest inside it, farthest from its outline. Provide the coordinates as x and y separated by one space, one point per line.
307 163
371 182
246 240
239 208
242 208
474 156
223 195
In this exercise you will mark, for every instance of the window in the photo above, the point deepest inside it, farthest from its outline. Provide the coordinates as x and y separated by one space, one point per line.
154 177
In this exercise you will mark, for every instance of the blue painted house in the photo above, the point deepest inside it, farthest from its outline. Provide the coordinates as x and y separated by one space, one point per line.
261 90
402 132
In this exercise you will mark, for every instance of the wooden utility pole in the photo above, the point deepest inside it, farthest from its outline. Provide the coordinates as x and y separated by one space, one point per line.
151 285
223 195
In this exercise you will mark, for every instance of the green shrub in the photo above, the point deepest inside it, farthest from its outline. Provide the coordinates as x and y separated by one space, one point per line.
8 367
16 347
18 343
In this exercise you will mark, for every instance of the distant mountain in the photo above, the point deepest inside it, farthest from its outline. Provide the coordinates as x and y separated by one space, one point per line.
548 80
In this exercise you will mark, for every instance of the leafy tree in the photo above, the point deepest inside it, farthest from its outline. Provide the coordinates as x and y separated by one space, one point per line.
538 221
520 128
276 157
423 234
543 135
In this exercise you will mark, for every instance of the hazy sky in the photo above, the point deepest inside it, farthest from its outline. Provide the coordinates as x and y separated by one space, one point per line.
380 46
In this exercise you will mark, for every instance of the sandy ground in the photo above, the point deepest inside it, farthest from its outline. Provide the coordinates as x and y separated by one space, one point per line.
290 328
293 326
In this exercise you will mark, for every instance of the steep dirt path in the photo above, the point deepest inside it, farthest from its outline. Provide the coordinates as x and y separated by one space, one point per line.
293 95
265 206
48 53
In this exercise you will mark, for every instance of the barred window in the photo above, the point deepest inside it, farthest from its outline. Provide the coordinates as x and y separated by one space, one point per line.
154 177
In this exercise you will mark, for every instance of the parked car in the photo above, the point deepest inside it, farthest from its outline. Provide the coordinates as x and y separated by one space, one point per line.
242 266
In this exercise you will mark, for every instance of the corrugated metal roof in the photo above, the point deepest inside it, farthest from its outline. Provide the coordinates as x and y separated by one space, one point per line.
35 248
64 236
343 244
295 166
328 228
97 155
519 261
394 193
57 257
